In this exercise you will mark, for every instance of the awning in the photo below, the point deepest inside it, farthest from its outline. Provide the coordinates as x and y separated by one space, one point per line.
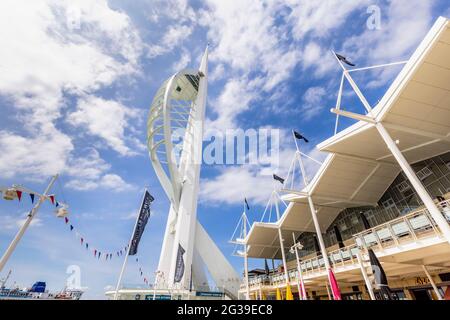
415 110
263 240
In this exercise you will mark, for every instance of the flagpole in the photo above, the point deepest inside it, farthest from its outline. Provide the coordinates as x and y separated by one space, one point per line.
119 281
247 285
24 227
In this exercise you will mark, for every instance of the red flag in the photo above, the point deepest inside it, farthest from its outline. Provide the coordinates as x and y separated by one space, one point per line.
334 286
81 240
52 198
66 220
19 194
95 252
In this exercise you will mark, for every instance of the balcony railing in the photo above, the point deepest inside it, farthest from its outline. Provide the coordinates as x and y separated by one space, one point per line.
410 227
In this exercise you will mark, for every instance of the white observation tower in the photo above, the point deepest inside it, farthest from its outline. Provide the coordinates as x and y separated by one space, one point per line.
175 134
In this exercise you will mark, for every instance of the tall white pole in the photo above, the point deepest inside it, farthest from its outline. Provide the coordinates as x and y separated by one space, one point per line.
417 185
119 281
365 276
283 256
323 249
24 227
328 290
247 285
300 272
435 288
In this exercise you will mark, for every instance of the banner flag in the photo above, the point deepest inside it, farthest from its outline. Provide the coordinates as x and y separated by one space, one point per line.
246 204
144 214
19 194
300 137
52 198
179 271
32 197
334 286
278 178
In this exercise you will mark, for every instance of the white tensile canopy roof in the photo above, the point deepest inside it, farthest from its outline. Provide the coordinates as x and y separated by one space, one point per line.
415 110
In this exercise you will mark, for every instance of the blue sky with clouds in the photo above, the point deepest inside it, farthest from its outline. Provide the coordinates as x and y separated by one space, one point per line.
77 79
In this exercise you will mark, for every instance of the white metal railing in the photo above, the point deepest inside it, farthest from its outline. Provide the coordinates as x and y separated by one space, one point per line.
411 226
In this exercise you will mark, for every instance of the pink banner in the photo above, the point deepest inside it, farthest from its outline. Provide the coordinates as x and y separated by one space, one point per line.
334 286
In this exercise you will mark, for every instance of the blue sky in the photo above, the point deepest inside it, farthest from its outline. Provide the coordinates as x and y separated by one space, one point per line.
77 79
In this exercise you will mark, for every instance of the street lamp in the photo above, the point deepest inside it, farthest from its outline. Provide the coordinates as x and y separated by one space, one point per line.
300 284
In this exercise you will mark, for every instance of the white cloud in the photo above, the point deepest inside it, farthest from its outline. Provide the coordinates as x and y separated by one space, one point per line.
235 183
11 223
391 43
234 98
255 182
217 73
89 166
114 182
42 59
319 18
33 156
110 182
175 10
182 62
174 36
91 172
254 49
106 119
318 60
52 49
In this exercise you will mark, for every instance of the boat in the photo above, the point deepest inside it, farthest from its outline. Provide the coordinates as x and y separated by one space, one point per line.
38 291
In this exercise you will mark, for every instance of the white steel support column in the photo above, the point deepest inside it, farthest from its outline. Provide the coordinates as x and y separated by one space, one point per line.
435 288
283 256
299 270
247 285
323 249
365 276
417 185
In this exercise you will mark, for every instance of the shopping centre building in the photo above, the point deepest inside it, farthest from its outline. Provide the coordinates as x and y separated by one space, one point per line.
383 187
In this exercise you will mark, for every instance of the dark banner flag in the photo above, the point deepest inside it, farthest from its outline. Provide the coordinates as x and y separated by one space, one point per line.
144 214
179 271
